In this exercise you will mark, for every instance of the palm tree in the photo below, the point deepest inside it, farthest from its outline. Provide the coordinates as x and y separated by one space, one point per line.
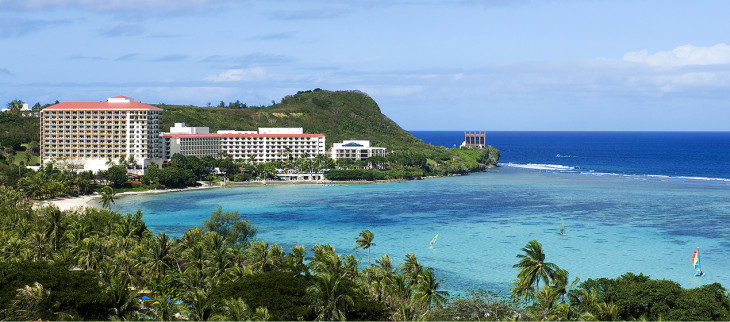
411 268
88 252
533 268
380 275
560 282
235 310
123 300
32 303
295 261
329 299
365 241
55 224
261 314
546 298
325 260
428 289
264 257
201 305
158 256
107 196
164 308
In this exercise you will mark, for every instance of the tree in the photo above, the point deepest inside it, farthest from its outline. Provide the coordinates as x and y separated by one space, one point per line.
77 292
107 196
478 305
365 241
281 292
158 258
329 298
201 305
33 303
533 268
123 300
15 106
56 224
264 257
427 289
261 314
411 268
236 230
235 310
118 175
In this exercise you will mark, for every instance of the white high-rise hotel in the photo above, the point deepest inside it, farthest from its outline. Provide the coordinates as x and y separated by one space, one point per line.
87 134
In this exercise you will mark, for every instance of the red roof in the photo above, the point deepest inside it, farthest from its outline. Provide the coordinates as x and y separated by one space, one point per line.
121 96
101 106
221 135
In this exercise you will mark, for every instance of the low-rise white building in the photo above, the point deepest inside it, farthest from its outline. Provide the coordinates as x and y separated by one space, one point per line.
355 150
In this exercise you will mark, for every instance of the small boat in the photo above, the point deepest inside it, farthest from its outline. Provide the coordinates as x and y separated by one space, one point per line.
696 262
433 241
562 227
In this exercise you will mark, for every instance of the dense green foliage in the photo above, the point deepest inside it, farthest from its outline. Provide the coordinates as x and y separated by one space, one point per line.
76 293
95 264
16 129
90 264
639 297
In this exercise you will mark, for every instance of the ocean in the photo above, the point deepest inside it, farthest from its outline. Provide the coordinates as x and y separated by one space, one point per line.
636 202
688 154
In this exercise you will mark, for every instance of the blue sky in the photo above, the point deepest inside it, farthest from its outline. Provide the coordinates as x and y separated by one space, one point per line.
431 65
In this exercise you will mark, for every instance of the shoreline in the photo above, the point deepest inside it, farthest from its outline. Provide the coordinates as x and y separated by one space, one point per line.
81 202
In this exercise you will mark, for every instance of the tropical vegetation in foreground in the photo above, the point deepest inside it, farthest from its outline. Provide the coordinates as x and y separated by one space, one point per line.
96 264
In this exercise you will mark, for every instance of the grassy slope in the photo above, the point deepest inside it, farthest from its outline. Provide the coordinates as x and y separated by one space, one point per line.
338 115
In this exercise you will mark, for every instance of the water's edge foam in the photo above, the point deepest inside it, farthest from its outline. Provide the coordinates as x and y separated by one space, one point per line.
564 168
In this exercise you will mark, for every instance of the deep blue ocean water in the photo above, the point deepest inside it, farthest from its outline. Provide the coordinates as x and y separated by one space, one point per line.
631 202
692 154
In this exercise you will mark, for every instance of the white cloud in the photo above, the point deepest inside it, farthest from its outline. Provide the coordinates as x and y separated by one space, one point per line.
234 75
687 55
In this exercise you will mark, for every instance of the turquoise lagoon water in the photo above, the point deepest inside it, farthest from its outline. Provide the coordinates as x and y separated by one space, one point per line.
616 223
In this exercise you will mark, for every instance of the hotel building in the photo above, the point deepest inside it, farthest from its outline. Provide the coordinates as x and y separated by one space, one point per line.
355 150
87 134
264 145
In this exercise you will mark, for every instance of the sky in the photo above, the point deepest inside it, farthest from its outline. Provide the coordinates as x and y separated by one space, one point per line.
490 65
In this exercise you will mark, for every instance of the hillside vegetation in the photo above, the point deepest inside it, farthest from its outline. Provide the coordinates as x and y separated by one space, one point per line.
16 129
343 115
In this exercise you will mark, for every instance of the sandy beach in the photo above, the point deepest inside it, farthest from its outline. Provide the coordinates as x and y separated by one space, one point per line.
69 203
84 201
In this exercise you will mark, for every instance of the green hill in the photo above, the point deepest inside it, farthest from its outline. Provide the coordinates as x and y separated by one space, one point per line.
339 116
